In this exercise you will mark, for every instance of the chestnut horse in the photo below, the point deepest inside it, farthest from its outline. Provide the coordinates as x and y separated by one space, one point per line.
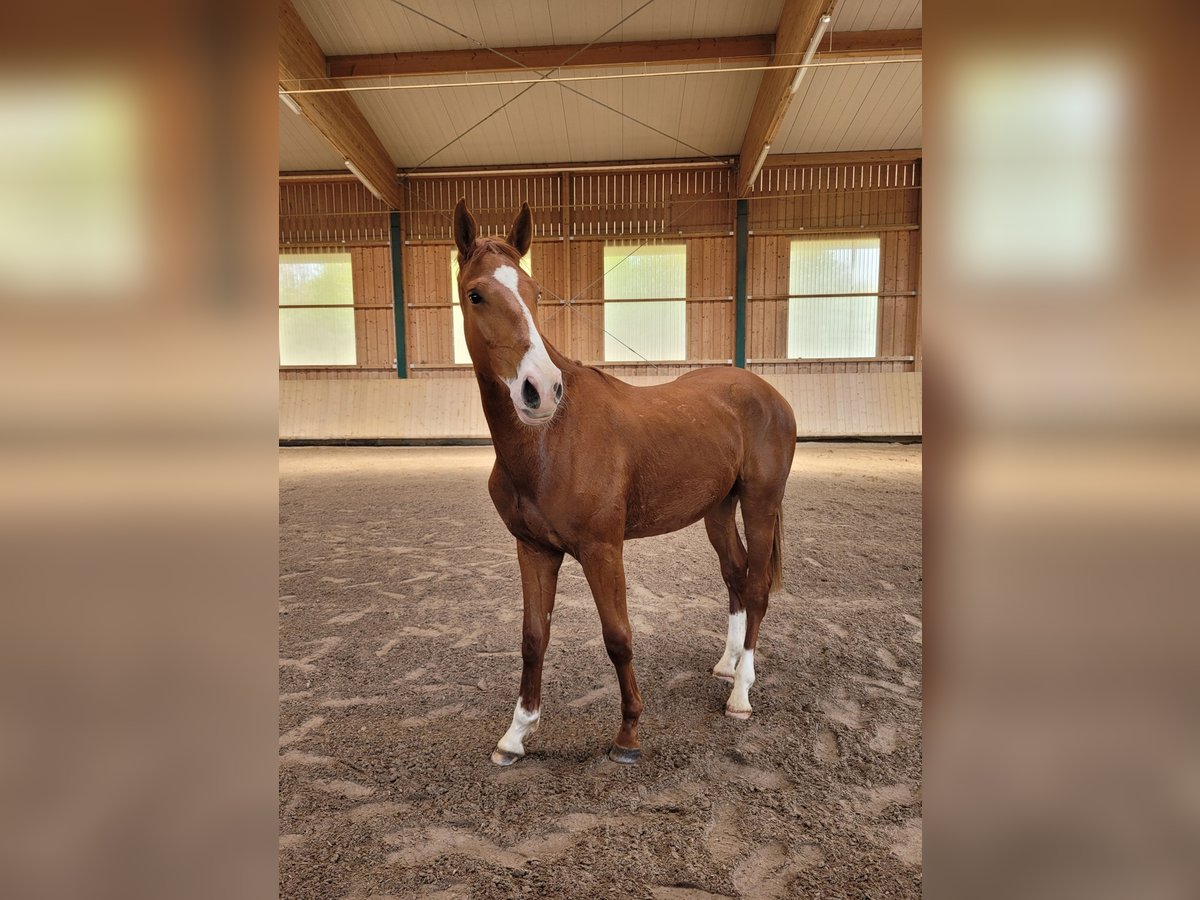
585 461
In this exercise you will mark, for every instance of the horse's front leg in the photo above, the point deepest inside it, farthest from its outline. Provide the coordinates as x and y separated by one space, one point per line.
539 580
605 571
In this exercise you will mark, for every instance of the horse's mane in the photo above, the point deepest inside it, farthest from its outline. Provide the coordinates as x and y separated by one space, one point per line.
489 245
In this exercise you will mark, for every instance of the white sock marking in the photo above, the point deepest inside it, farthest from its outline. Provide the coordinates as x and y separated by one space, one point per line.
524 723
739 698
735 638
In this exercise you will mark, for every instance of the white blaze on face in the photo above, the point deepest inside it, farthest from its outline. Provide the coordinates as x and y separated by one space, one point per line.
535 365
524 723
735 639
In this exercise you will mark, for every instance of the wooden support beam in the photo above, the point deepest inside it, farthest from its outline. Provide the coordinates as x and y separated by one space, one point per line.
336 116
755 47
752 48
797 25
850 44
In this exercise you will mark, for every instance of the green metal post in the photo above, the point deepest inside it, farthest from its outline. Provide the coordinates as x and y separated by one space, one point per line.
743 240
398 293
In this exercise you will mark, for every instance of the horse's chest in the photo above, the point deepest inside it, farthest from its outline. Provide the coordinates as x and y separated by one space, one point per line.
526 518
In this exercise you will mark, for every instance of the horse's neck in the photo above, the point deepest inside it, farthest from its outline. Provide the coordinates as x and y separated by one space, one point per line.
521 449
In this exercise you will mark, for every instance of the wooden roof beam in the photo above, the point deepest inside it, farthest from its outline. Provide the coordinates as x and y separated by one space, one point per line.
752 48
336 116
797 25
618 53
850 44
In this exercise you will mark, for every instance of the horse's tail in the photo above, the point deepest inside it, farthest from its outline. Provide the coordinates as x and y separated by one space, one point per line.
777 553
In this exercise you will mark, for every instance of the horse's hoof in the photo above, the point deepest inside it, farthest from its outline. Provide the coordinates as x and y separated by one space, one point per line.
504 758
625 755
737 713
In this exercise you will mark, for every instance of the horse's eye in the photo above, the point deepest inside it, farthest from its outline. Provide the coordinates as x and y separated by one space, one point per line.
474 297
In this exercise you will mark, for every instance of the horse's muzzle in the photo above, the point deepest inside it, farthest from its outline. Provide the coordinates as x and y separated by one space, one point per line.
536 398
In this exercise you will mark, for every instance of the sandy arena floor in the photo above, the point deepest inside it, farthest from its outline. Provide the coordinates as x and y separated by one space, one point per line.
400 617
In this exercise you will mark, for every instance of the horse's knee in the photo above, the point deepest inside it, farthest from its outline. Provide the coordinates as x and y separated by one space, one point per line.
619 644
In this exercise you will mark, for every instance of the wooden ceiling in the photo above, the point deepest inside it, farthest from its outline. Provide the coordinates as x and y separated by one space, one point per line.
447 83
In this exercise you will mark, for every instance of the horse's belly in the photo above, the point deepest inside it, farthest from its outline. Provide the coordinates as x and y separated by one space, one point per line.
674 502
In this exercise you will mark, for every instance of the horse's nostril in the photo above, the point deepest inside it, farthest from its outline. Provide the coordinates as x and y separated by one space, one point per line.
530 395
558 392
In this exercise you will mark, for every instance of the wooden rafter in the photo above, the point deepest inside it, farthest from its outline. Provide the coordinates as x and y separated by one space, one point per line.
619 53
335 115
850 44
754 48
797 25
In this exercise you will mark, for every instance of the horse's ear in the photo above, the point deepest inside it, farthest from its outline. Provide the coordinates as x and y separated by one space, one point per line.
521 235
465 228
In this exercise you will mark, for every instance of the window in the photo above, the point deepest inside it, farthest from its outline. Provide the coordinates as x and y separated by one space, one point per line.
460 335
316 310
822 324
656 325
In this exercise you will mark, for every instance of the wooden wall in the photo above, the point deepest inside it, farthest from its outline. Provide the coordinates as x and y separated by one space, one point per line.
374 325
845 405
792 194
575 213
334 211
711 271
767 307
792 198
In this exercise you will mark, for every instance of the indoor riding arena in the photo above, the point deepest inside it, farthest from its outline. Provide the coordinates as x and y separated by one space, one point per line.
710 186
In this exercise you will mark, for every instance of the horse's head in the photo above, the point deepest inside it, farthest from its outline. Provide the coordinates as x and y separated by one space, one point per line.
496 299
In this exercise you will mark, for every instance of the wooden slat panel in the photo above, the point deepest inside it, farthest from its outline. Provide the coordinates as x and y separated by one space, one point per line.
830 196
769 259
336 212
587 323
374 328
549 271
493 200
426 282
710 273
833 405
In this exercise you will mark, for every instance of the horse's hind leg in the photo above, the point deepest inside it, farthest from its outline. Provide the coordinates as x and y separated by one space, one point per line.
721 525
761 519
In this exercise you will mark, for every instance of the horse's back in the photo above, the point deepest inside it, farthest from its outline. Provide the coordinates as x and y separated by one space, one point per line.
750 412
760 406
